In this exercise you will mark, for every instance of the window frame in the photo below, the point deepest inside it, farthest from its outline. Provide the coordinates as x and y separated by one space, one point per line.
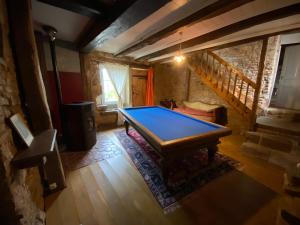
109 103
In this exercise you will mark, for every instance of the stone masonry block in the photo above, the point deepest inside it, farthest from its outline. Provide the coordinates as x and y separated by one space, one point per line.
256 150
277 143
253 137
4 101
284 160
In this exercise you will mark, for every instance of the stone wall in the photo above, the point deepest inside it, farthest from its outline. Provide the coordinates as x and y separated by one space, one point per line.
246 58
20 190
171 82
90 74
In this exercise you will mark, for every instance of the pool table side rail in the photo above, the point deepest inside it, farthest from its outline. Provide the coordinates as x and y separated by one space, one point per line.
146 133
176 112
212 135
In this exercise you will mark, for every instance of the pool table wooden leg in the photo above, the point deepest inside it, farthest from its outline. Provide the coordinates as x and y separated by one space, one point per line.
211 152
126 124
165 169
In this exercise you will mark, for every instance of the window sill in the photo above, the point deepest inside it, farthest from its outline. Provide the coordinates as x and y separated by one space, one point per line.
106 107
108 111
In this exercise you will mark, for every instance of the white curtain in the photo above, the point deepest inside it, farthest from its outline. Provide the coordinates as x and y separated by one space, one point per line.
119 76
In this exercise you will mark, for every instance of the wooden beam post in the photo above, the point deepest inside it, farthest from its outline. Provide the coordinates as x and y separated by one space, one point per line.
27 64
42 59
85 76
259 77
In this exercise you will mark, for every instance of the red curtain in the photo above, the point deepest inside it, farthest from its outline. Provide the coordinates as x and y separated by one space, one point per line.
149 89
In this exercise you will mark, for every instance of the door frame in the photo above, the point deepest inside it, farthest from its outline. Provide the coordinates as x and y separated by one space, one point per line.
277 73
138 75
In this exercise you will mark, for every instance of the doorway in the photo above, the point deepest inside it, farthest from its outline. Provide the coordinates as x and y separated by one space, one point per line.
286 91
139 84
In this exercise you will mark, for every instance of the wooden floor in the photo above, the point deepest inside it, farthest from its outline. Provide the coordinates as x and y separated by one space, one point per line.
112 192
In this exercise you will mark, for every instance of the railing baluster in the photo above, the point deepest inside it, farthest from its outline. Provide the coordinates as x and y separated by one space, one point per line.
223 78
241 87
200 62
212 69
229 78
246 96
218 74
206 64
234 85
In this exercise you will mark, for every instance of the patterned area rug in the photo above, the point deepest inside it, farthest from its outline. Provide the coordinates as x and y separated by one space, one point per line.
146 159
104 148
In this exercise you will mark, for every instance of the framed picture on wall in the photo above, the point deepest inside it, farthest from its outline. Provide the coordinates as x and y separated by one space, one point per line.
21 128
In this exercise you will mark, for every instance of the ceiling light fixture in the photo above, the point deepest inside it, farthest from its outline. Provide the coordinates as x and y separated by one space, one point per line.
179 57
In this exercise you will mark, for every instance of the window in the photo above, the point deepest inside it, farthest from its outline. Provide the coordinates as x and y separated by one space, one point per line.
109 95
115 84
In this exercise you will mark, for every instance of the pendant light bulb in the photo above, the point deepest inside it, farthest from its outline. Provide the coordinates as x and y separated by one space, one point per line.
179 57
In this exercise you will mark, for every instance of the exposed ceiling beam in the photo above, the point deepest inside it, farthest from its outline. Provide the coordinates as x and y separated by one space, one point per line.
232 28
205 13
253 39
83 7
108 57
233 43
96 26
97 32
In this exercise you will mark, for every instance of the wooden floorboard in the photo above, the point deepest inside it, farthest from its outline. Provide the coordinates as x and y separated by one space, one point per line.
112 192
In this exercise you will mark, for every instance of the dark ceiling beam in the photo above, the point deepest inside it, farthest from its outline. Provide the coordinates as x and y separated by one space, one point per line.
83 7
117 23
97 25
205 13
234 43
253 39
232 28
108 57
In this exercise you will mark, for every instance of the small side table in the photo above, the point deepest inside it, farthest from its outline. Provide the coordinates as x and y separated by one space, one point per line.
43 153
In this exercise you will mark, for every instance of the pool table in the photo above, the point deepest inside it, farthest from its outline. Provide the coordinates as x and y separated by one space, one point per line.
173 135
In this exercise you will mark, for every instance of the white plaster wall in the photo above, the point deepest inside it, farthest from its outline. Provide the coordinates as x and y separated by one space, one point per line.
67 60
290 39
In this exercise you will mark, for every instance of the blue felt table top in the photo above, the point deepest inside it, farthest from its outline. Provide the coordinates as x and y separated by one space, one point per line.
169 125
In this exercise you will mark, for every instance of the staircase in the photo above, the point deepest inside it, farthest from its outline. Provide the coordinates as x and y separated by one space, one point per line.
228 82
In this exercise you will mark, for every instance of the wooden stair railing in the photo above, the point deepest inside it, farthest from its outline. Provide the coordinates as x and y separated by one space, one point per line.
228 82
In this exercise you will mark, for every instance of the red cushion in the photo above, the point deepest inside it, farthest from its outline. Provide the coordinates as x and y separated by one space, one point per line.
194 112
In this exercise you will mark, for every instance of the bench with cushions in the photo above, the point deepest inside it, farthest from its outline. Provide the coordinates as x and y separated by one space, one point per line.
204 111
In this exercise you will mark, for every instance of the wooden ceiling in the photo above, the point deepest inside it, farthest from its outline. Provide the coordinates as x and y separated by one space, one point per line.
116 16
149 30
